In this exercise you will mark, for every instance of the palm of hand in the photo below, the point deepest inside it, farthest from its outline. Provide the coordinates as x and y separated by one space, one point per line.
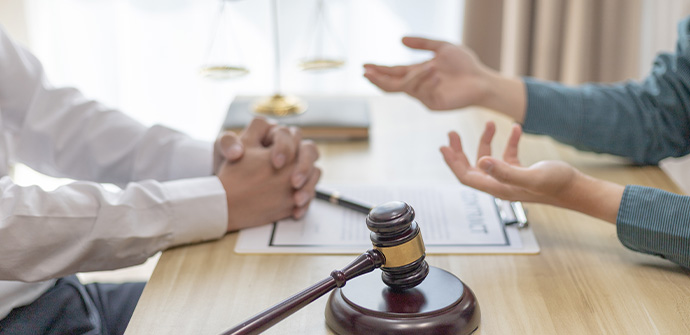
459 79
543 182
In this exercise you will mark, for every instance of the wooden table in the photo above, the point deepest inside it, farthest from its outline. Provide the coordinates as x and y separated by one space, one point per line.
583 281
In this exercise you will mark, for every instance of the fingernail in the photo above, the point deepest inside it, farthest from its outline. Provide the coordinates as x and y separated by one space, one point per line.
298 180
279 160
486 165
299 213
234 151
301 198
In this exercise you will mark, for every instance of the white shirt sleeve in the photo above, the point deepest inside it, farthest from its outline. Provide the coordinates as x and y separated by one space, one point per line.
170 196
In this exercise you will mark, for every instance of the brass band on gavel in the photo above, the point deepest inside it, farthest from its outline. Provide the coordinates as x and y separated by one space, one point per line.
403 254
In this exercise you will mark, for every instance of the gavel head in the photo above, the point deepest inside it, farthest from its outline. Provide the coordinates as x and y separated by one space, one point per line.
395 234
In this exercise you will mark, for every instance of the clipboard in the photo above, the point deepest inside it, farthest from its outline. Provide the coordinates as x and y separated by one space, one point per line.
511 213
454 219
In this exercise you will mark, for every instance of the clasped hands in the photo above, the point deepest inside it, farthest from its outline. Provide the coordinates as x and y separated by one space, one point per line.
267 171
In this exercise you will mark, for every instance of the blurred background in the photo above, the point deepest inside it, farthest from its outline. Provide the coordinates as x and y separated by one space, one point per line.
144 56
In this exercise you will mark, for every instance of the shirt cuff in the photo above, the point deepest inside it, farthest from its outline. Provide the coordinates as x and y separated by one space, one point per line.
198 209
654 221
629 212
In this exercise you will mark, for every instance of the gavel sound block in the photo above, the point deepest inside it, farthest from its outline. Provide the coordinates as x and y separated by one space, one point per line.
412 298
409 298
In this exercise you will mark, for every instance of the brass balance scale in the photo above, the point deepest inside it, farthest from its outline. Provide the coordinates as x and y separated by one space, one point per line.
223 61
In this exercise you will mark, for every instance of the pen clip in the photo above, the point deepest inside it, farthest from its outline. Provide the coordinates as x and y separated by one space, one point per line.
511 213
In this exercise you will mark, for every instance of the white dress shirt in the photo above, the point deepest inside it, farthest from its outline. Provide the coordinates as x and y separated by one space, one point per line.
168 196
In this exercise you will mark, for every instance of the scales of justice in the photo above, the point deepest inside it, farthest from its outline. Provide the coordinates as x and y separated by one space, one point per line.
407 297
223 61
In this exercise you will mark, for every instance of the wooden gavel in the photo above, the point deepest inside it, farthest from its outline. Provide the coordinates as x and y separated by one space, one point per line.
398 251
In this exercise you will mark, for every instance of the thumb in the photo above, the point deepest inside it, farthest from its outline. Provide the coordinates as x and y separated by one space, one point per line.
230 146
257 131
423 43
506 173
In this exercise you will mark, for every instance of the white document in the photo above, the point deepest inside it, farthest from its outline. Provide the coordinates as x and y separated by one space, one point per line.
453 218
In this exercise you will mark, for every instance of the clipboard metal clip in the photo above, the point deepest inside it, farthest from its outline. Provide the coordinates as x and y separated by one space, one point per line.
511 213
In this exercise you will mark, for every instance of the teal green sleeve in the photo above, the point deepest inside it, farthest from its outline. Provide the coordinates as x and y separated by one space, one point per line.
646 121
655 222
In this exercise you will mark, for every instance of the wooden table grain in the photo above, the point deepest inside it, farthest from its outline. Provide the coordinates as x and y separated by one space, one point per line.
582 282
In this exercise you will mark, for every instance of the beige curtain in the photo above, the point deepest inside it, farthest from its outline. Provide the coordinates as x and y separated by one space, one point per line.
571 41
13 19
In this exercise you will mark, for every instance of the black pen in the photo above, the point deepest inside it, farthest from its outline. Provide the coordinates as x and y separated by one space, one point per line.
336 199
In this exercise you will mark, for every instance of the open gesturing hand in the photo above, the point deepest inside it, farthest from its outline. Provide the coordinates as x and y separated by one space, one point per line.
549 182
454 78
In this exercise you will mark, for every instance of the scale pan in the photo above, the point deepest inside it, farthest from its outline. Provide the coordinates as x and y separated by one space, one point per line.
220 72
320 64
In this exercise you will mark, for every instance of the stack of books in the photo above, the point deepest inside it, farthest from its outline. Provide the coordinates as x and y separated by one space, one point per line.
326 117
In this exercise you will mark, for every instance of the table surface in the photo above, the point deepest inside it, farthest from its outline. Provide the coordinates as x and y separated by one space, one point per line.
584 281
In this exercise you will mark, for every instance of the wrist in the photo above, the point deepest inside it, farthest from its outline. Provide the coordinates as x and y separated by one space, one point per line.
506 95
594 197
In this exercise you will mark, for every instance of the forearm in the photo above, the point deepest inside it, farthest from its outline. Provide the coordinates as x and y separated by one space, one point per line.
645 121
83 227
594 197
59 132
505 95
65 135
627 120
647 220
108 147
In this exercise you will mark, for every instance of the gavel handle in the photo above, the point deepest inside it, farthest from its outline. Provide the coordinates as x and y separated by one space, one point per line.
364 263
